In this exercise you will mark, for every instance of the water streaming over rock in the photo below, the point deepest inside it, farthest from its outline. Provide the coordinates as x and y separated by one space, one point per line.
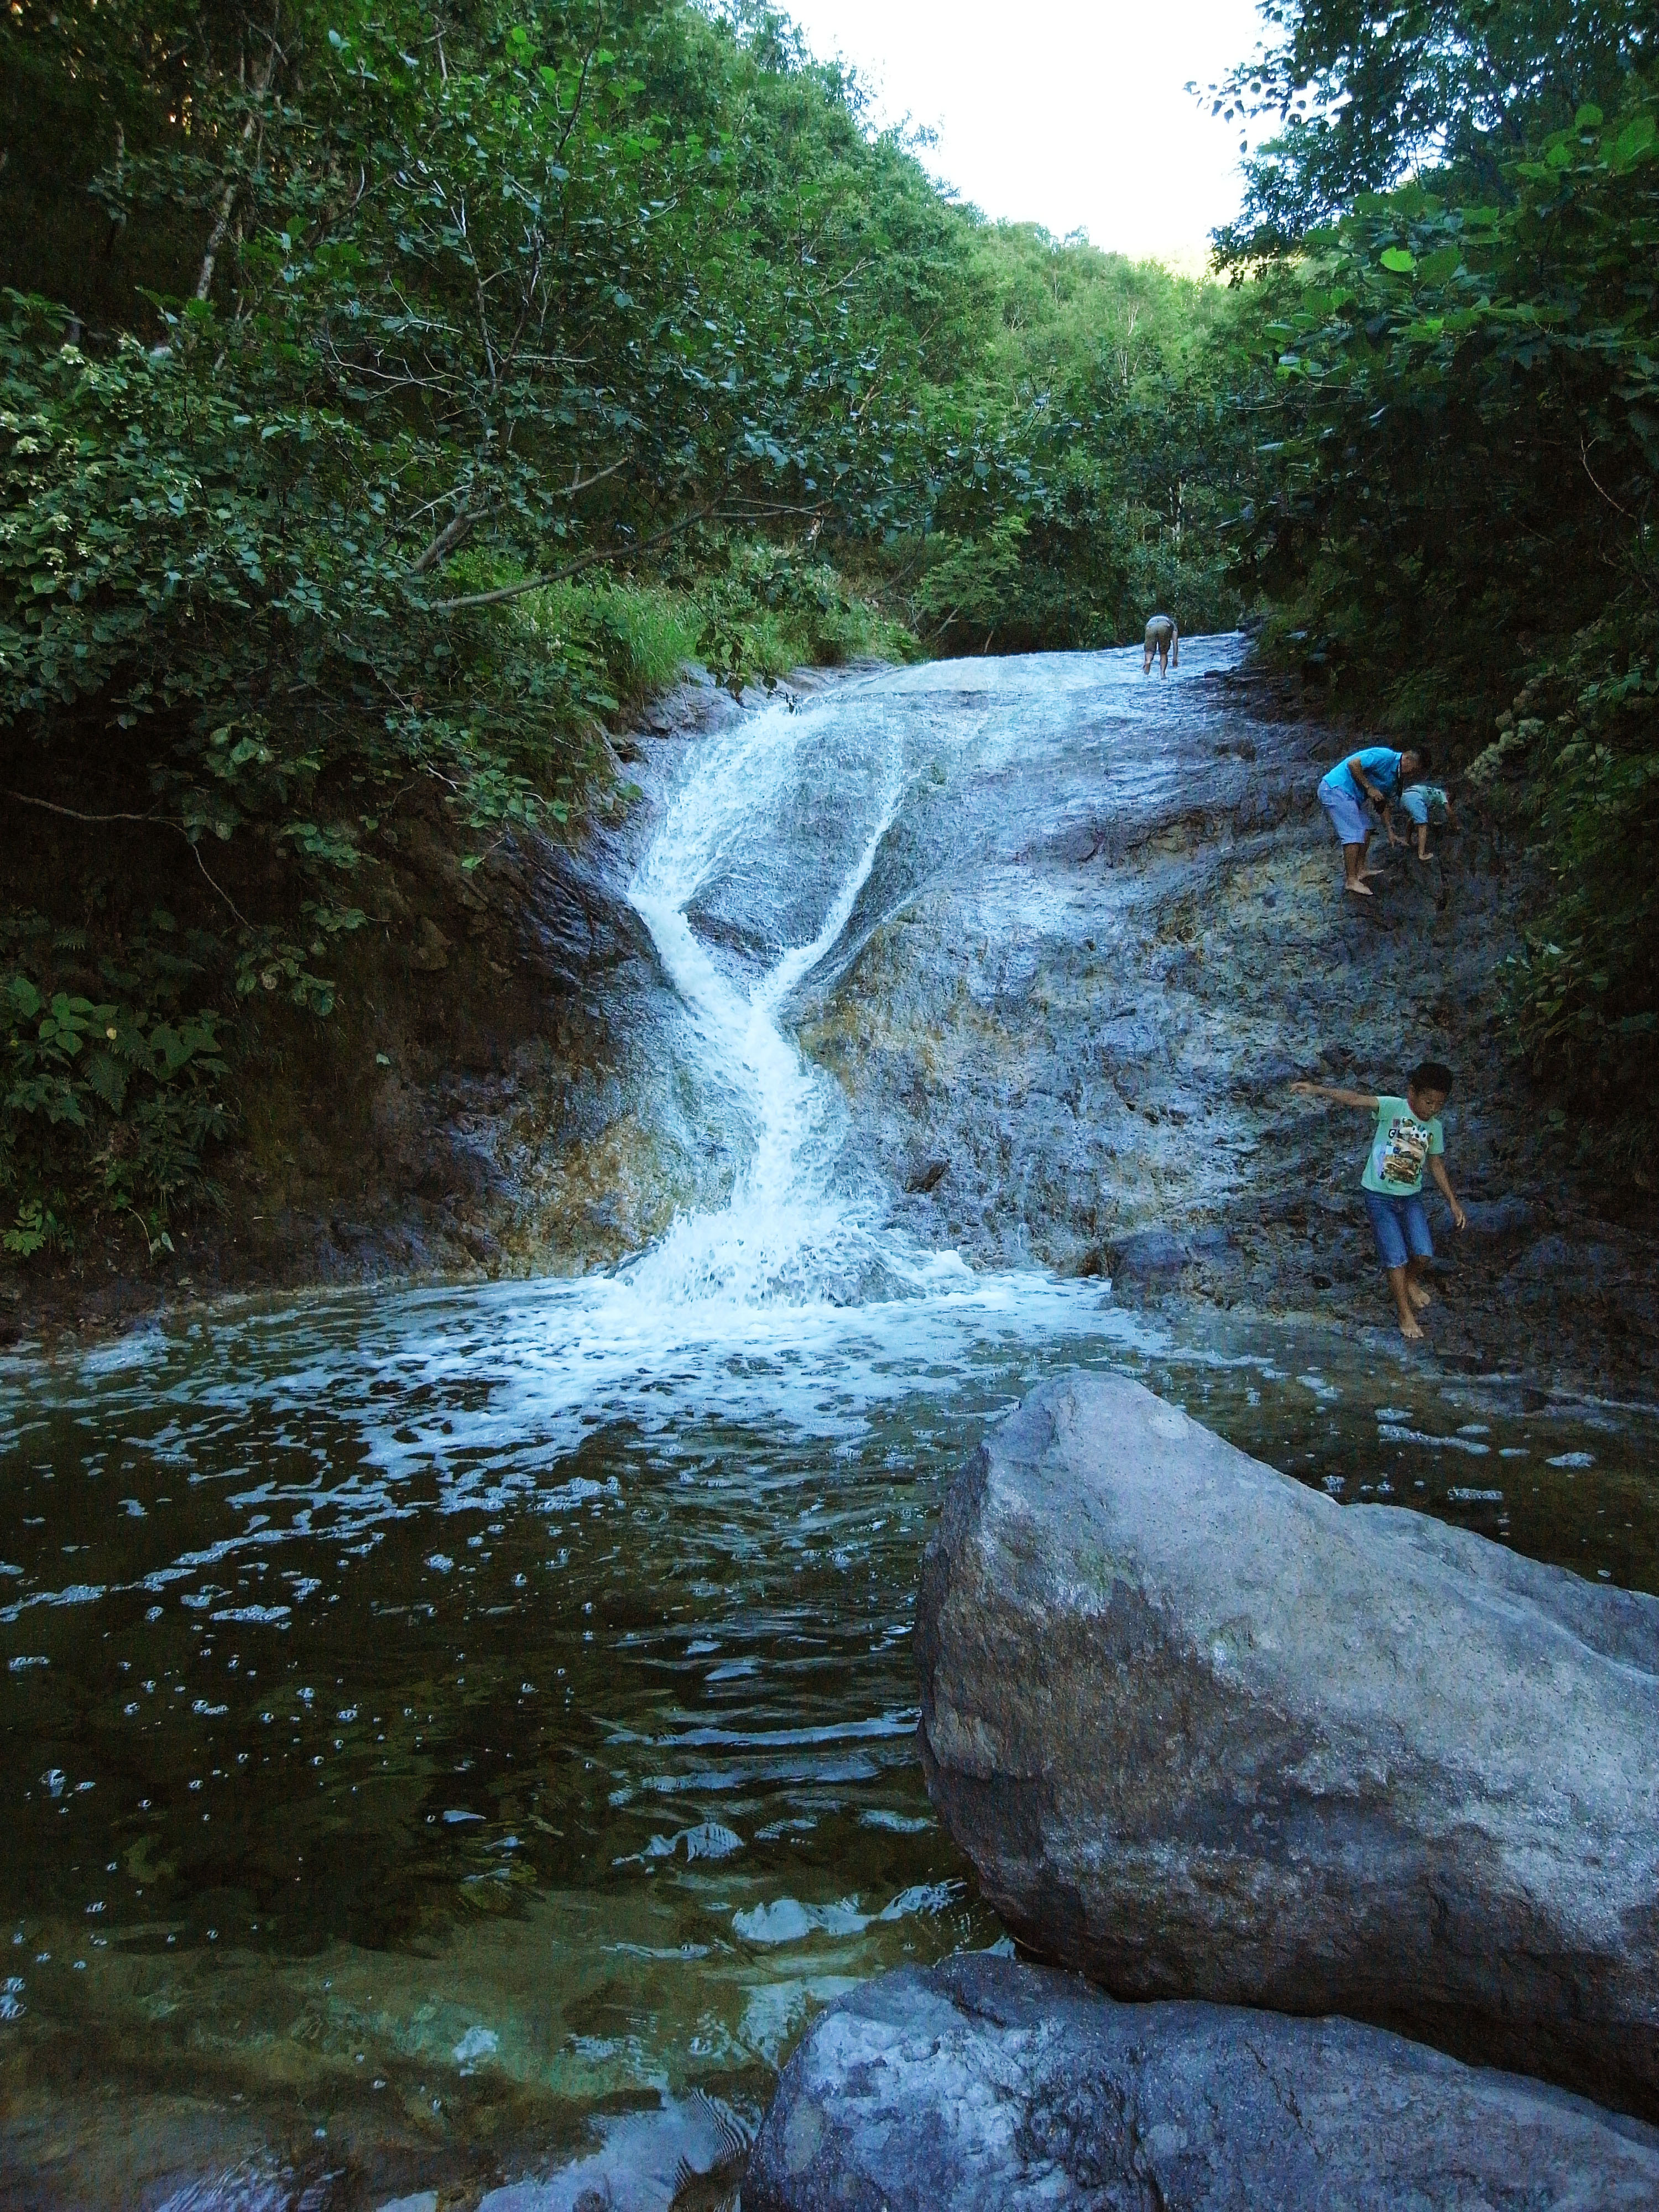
458 1733
797 1228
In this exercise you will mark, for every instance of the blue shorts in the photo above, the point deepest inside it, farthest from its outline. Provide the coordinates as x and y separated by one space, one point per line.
1400 1226
1353 821
1416 806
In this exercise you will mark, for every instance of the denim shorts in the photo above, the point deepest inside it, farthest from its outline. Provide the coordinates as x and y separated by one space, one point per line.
1400 1226
1416 806
1353 822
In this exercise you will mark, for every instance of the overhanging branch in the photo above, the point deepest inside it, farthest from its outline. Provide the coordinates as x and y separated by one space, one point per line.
164 821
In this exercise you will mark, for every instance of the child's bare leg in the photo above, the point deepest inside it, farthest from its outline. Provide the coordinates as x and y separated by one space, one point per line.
1416 1289
1402 1298
1422 841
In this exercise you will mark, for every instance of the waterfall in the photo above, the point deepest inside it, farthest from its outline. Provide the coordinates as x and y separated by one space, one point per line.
797 1228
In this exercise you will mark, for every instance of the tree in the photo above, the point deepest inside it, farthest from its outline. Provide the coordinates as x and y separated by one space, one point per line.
1364 97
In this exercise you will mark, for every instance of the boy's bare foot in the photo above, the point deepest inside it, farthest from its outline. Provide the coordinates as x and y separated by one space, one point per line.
1359 889
1425 856
1419 1296
1408 1326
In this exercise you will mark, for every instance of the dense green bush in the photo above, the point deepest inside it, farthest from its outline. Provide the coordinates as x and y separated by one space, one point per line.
1462 515
109 1101
1106 459
1364 98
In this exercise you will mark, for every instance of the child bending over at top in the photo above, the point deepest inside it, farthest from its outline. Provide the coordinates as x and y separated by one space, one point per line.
1406 1138
1421 802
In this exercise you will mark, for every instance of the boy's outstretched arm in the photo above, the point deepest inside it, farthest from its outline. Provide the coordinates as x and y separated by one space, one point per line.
1337 1095
1443 1183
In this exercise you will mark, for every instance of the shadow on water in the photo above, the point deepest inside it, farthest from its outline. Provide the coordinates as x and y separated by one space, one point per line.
458 1734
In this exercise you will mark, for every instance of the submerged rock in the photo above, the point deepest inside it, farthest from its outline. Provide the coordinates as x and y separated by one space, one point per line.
1149 1256
1207 1734
987 2087
924 1174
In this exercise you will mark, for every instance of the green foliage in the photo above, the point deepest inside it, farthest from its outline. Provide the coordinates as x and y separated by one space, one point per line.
760 609
1093 460
551 337
1463 504
633 638
1364 96
112 1098
1583 995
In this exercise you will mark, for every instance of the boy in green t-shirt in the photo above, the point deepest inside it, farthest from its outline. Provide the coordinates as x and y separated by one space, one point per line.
1407 1138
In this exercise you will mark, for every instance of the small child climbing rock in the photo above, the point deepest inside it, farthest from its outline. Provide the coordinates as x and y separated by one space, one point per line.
1422 802
1407 1138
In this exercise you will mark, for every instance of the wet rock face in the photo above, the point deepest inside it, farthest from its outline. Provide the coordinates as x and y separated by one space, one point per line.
1104 935
1205 1734
987 2087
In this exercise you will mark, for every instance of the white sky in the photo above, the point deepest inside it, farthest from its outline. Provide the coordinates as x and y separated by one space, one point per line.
1057 112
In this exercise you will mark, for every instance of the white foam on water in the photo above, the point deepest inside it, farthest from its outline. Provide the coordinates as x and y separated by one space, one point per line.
795 1300
791 1224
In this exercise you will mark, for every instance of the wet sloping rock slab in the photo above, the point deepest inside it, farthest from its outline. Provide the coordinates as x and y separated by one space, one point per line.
1207 1734
984 2085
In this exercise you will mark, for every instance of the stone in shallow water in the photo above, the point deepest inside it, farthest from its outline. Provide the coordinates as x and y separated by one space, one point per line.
1148 1255
1205 1732
984 2085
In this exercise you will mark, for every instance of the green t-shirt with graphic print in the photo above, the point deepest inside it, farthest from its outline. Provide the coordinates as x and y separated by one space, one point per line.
1400 1150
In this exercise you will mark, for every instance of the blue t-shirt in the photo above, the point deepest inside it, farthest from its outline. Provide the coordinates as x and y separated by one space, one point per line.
1381 762
1422 799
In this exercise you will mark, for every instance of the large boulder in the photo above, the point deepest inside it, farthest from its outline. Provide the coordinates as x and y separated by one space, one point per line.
1207 1734
986 2087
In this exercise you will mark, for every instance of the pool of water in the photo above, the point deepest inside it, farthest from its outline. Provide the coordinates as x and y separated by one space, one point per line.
417 1754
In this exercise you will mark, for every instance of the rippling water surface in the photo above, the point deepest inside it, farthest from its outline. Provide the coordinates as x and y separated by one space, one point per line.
459 1736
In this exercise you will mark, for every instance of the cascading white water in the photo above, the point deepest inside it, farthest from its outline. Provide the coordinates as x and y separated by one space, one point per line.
795 1300
796 1229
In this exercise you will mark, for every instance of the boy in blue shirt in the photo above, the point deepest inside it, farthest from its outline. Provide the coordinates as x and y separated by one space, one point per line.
1373 775
1407 1138
1419 802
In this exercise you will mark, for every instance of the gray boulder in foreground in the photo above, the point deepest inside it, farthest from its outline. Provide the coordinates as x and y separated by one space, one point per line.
1207 1734
983 2086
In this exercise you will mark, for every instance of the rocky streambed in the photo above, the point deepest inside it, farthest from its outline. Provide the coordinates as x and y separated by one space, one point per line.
985 2086
1097 948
